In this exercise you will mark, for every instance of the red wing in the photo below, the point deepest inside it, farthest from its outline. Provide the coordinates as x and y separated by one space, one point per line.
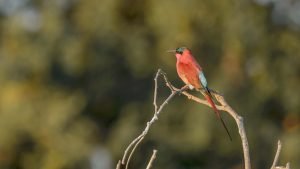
189 72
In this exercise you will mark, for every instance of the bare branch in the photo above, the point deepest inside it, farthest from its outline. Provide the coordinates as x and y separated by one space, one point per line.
275 162
151 159
224 107
133 149
276 155
119 165
155 91
287 166
157 110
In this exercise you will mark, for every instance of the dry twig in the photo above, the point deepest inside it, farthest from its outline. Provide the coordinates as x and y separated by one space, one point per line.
274 165
223 105
157 110
152 159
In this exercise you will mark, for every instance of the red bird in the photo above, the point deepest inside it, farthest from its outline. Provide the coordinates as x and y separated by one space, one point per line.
191 74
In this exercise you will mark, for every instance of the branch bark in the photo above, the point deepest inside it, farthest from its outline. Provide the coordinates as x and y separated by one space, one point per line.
222 105
151 159
274 165
157 110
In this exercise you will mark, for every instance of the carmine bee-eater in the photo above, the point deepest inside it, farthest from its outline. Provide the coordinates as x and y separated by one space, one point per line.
192 74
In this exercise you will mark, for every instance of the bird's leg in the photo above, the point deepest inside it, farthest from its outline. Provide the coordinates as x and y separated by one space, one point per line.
191 87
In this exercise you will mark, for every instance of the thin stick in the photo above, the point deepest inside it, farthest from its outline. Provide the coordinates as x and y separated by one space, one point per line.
157 110
224 107
140 137
134 144
275 162
151 159
119 165
276 155
287 166
155 91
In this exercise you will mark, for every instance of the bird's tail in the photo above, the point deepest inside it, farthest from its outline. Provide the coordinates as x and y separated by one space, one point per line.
208 97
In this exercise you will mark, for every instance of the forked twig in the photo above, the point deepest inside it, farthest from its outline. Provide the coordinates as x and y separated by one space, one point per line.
157 110
277 154
223 105
275 162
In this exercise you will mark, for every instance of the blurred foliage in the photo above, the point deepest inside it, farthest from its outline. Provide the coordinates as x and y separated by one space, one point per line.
77 82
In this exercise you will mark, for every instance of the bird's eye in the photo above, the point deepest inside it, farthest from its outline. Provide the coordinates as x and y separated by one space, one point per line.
179 50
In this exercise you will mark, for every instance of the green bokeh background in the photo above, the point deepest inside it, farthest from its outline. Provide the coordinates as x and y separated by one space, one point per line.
77 84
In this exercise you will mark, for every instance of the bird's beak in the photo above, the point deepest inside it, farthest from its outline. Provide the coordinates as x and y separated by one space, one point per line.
171 51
